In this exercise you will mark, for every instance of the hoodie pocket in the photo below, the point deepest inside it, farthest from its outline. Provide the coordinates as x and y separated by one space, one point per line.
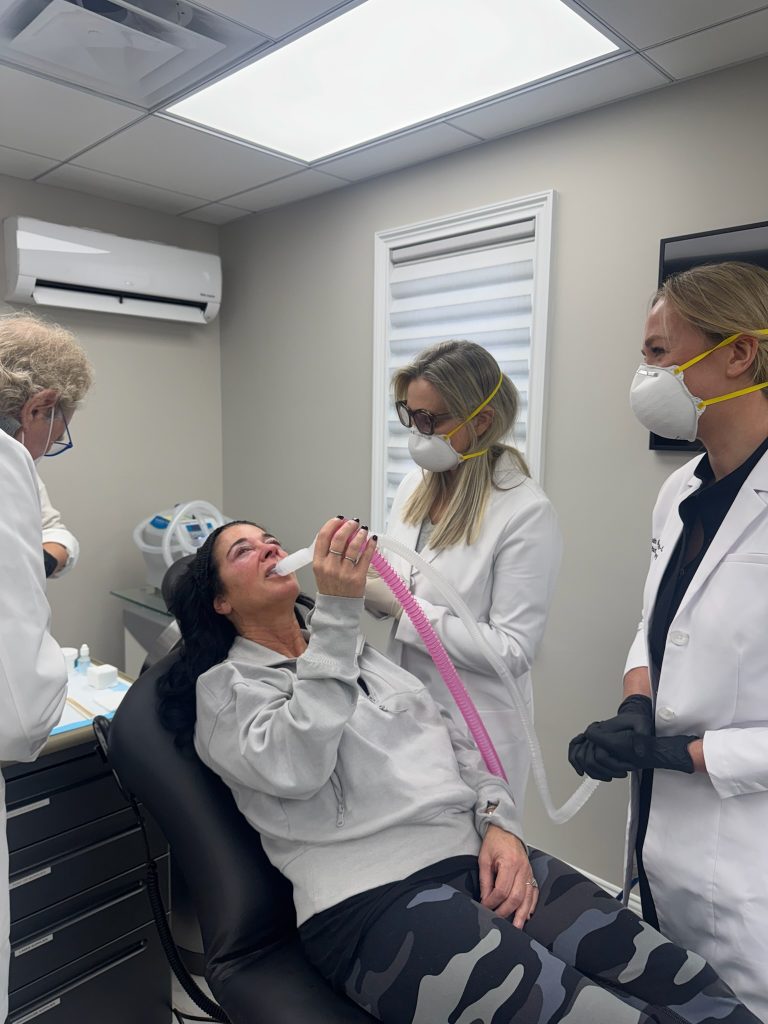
338 792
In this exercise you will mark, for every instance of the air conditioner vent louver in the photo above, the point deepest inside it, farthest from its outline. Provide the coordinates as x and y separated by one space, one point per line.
54 265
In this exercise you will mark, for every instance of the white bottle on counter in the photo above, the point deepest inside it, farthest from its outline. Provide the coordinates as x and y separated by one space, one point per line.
84 660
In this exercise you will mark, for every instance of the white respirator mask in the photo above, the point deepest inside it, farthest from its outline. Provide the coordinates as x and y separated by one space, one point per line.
435 452
663 404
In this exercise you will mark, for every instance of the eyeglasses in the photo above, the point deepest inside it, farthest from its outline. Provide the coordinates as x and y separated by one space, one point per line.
424 421
64 443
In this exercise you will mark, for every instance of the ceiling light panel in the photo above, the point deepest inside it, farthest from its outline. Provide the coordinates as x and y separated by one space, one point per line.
278 18
390 64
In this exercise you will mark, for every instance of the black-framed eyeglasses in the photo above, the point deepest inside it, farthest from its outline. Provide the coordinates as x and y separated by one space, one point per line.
64 443
424 420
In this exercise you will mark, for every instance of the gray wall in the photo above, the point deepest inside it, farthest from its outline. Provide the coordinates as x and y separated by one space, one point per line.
149 434
296 363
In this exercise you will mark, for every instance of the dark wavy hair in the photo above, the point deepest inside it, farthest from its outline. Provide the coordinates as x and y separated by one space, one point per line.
206 637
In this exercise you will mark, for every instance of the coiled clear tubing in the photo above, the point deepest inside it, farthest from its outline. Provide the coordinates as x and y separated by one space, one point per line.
456 603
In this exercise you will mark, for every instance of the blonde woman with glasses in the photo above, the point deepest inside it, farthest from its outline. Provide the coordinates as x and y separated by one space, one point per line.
43 377
472 510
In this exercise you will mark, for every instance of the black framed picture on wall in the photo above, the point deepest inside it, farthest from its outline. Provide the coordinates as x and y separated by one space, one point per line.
745 242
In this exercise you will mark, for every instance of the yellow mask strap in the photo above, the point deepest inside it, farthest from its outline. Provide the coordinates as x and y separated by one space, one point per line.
472 416
720 344
733 394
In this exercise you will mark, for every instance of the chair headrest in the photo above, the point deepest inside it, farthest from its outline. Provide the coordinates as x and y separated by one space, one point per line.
243 903
171 578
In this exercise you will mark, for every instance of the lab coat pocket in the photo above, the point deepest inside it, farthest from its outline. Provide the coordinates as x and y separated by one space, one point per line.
736 611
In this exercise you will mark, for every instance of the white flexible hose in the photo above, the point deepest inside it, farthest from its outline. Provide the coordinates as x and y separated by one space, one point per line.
196 509
457 604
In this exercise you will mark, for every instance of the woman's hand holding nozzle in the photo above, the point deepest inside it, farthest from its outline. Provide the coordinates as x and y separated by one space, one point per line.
343 553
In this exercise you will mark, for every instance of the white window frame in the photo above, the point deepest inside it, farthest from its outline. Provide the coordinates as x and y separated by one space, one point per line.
538 206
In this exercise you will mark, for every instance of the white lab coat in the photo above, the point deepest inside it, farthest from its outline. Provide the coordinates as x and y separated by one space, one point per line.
55 532
704 851
33 674
507 577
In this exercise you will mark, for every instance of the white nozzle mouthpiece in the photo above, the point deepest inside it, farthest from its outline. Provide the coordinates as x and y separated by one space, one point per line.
291 563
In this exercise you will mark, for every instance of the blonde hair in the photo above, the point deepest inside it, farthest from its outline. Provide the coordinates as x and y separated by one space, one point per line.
721 299
35 355
465 374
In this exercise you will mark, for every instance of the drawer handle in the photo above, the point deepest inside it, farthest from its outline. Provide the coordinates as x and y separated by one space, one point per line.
38 1012
32 877
36 806
34 944
110 965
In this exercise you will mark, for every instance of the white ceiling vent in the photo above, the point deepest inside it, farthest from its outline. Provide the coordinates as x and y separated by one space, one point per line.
144 51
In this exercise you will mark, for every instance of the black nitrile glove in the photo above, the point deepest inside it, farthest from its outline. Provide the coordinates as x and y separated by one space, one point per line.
51 564
667 752
592 752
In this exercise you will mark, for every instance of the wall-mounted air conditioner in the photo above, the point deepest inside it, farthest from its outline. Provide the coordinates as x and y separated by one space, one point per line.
53 265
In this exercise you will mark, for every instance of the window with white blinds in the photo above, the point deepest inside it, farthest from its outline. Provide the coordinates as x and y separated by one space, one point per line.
480 284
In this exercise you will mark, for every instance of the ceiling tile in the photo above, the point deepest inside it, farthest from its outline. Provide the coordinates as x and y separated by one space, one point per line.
275 19
167 154
739 40
52 119
287 190
390 155
216 213
590 88
645 22
23 165
108 186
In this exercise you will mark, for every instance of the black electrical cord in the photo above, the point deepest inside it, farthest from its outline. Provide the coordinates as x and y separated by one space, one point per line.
187 982
171 950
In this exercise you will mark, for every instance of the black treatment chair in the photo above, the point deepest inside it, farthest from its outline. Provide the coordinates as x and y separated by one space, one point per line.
254 964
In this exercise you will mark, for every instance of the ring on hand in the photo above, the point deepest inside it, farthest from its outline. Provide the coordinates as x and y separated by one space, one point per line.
332 551
534 883
349 558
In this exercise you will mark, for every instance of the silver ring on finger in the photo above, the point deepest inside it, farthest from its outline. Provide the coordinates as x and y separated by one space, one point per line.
349 558
533 883
333 551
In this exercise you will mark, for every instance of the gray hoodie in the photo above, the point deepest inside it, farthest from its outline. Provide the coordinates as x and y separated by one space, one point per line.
348 791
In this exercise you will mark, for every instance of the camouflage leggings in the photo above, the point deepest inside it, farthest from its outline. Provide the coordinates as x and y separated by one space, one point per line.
437 957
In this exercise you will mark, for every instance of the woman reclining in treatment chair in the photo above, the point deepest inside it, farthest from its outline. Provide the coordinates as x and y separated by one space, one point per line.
414 892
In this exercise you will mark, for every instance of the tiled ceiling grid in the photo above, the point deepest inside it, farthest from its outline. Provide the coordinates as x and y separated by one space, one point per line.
94 140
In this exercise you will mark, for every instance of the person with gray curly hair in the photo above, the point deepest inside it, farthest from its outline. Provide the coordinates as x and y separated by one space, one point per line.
44 375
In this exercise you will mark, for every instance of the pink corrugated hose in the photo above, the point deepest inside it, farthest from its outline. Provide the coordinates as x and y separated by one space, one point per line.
443 663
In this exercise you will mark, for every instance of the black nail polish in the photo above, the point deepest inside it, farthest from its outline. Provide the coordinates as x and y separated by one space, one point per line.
363 527
341 517
356 519
375 536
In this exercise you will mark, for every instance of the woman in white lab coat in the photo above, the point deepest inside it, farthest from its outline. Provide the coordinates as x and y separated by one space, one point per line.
43 376
473 511
693 727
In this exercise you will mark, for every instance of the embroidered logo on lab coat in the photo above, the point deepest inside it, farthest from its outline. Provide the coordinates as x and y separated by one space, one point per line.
656 547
